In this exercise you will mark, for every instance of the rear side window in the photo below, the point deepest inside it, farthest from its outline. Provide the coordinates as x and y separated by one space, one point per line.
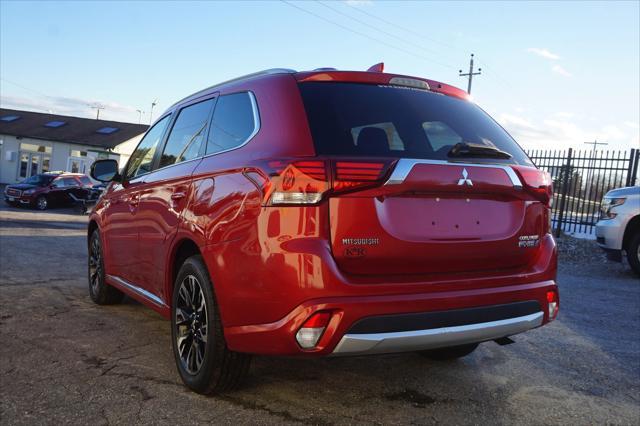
141 160
369 120
234 122
70 182
187 134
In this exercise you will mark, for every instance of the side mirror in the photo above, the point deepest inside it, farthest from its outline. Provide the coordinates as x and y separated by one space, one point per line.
105 171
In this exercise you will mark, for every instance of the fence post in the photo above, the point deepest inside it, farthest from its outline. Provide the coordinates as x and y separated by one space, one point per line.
565 189
632 157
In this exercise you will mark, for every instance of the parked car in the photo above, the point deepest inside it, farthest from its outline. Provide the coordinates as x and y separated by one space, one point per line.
48 189
325 213
618 229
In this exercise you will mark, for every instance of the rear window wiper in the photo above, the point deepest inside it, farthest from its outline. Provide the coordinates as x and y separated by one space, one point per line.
464 149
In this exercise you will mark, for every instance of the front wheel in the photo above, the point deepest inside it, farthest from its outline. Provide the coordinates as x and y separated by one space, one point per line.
204 362
633 253
446 354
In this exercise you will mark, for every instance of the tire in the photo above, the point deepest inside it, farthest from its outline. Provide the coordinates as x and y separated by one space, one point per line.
204 362
100 292
633 253
447 354
41 203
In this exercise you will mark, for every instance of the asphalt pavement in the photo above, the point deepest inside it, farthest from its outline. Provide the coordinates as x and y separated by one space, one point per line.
65 360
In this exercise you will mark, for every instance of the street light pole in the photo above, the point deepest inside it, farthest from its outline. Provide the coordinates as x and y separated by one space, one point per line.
154 103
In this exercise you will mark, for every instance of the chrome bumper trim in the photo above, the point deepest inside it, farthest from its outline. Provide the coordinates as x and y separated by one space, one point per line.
405 341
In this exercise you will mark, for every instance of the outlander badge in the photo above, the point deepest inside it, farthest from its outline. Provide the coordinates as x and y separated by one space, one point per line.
465 180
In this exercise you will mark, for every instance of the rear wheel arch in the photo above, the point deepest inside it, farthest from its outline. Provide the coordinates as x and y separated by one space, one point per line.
182 250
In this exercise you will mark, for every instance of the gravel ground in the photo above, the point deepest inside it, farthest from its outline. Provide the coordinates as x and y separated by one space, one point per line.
66 360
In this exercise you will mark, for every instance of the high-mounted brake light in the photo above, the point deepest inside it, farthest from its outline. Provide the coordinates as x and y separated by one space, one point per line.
308 181
409 82
309 334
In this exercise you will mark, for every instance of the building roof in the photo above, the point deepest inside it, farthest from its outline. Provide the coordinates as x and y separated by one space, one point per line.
61 128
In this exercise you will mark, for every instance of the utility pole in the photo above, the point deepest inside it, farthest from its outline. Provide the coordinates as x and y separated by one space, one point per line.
470 74
595 144
97 107
154 103
140 112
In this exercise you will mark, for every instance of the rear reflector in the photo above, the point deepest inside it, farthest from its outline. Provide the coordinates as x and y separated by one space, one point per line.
552 301
312 329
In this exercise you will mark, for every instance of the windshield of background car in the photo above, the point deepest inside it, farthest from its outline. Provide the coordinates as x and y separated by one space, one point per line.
38 180
355 119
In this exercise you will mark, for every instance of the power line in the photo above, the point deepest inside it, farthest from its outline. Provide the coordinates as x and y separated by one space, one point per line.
376 28
366 35
408 30
492 73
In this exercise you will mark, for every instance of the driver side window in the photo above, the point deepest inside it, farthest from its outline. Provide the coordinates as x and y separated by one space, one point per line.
141 160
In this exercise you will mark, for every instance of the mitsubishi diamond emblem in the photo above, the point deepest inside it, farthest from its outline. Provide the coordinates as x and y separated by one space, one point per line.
465 180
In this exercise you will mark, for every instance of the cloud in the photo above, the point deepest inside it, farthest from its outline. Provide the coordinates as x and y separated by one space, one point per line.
559 70
76 107
543 52
633 125
560 133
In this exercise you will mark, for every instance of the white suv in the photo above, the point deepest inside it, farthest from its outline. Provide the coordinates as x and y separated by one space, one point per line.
619 226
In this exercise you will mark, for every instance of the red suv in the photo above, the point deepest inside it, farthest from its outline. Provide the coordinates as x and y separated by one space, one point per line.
325 213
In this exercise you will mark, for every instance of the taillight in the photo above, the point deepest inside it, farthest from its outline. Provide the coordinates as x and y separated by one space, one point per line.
552 304
309 334
300 182
536 182
350 175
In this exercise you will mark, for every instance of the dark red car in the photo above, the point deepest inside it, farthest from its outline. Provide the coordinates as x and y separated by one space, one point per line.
48 189
325 213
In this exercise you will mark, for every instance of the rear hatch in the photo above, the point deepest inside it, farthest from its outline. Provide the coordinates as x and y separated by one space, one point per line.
430 183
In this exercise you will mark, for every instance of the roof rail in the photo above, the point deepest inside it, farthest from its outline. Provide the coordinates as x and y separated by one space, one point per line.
233 80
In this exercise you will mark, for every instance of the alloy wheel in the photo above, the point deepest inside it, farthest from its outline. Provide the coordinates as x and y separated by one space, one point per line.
191 324
95 265
42 203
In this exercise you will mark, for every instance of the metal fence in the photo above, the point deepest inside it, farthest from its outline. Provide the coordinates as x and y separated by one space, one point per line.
580 179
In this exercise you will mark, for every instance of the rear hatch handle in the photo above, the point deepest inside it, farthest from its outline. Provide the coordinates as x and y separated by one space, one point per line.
405 165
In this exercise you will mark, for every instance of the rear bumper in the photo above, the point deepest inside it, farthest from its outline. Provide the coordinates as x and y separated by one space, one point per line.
278 338
378 343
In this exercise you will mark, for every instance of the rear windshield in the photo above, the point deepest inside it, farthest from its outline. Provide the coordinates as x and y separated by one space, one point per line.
369 120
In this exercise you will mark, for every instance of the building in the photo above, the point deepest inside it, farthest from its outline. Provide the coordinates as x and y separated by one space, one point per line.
33 142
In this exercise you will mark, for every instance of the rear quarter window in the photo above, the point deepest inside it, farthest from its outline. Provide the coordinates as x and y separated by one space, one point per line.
235 121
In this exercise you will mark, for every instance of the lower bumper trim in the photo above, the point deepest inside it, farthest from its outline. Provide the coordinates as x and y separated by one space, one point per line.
405 341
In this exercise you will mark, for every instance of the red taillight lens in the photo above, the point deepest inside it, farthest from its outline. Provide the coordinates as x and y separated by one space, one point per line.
552 304
536 182
358 175
291 182
309 334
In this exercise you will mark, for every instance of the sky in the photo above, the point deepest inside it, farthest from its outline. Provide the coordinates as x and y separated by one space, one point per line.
554 74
